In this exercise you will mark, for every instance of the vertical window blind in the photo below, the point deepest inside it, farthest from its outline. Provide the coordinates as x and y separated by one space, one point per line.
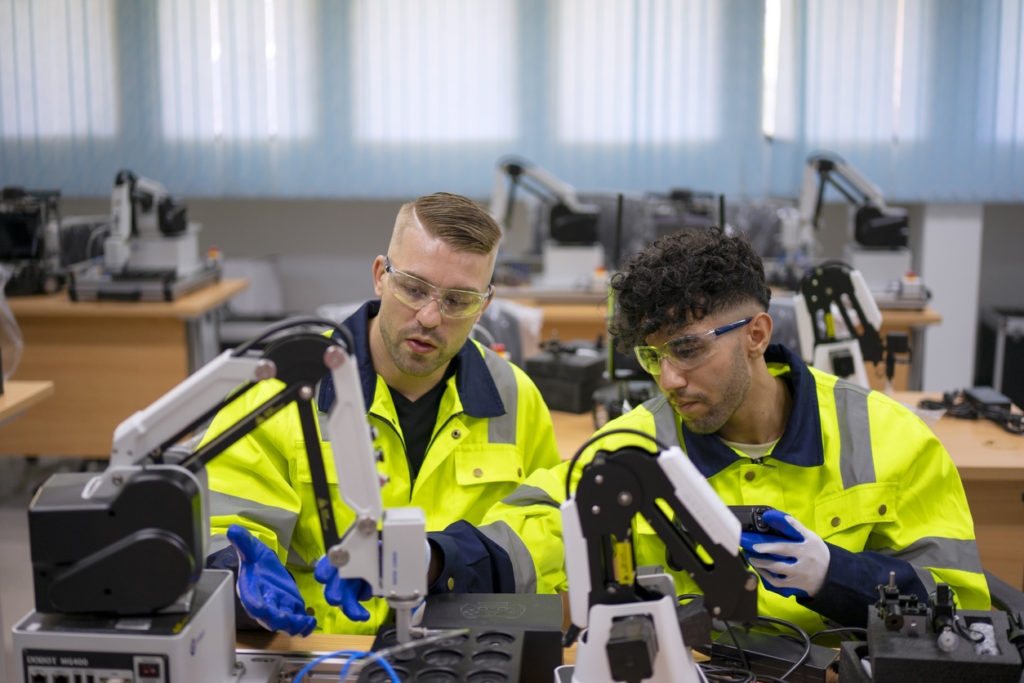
392 98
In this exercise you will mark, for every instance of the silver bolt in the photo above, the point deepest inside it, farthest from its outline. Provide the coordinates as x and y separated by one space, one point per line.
598 478
265 369
625 498
596 510
716 610
338 556
366 526
334 357
306 392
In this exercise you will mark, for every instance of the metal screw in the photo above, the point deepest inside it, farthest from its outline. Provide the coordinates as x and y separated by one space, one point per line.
338 556
596 510
265 369
599 479
334 357
117 480
716 610
306 392
625 498
366 526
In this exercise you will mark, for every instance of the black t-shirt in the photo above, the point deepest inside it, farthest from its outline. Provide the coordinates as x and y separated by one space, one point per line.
417 419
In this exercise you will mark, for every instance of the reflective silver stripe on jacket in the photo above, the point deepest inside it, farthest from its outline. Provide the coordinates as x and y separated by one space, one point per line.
856 461
940 553
280 521
665 429
502 429
522 562
525 496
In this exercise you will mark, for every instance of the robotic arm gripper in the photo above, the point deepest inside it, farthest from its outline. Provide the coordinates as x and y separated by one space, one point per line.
633 627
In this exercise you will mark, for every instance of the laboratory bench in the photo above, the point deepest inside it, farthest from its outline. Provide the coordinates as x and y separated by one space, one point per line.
19 396
107 360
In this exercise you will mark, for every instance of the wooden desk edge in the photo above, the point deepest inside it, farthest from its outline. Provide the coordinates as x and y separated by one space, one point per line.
190 305
20 395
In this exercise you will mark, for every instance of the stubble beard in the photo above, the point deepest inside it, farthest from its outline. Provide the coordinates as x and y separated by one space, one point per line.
733 395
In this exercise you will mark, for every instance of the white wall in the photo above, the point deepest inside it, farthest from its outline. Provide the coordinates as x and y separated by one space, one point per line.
950 264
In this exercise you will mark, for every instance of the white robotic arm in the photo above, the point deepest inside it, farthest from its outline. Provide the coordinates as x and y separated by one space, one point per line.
571 220
873 224
626 610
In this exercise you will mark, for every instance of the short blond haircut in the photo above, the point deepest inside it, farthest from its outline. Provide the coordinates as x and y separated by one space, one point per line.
461 223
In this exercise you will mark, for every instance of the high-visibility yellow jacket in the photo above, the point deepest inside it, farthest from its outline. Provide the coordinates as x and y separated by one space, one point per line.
492 431
853 466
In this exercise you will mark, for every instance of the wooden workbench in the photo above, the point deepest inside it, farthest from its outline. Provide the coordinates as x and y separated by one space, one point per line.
19 396
107 359
991 465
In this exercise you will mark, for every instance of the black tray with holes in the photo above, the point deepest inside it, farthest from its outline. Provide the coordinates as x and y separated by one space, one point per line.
481 655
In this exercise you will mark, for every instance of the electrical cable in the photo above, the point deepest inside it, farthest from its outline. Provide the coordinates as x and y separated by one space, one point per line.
598 437
956 404
351 654
803 635
842 629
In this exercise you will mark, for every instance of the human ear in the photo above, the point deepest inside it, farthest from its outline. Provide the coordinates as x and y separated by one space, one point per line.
759 333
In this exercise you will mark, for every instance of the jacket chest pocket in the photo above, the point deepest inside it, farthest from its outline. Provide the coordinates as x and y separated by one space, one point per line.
488 464
855 511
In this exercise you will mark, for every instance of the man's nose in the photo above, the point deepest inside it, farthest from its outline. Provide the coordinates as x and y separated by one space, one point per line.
430 315
671 377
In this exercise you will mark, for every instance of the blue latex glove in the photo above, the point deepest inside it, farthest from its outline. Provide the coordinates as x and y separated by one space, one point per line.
346 593
792 562
266 589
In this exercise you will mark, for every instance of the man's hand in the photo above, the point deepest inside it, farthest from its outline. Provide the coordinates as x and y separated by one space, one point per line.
346 593
266 589
792 563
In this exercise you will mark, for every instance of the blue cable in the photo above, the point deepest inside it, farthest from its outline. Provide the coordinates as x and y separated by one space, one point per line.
384 663
351 654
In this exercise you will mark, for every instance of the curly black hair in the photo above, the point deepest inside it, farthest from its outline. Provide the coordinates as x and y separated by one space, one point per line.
684 277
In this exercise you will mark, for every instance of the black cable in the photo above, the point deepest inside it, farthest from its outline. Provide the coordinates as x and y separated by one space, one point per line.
799 631
598 437
739 648
346 336
956 404
843 629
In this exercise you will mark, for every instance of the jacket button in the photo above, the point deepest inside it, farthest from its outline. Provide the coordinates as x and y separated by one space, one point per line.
881 509
451 583
456 433
478 472
749 475
835 521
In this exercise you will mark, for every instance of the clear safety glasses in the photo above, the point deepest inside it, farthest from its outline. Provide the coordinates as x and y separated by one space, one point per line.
686 352
417 293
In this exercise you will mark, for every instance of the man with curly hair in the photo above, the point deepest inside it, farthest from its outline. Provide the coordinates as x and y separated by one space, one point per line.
860 488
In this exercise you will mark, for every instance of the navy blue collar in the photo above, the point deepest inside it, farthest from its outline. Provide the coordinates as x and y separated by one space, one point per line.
473 381
800 443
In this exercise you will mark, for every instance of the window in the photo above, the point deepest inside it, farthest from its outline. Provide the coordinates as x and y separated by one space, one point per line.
637 71
1009 94
57 69
434 71
237 70
865 80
